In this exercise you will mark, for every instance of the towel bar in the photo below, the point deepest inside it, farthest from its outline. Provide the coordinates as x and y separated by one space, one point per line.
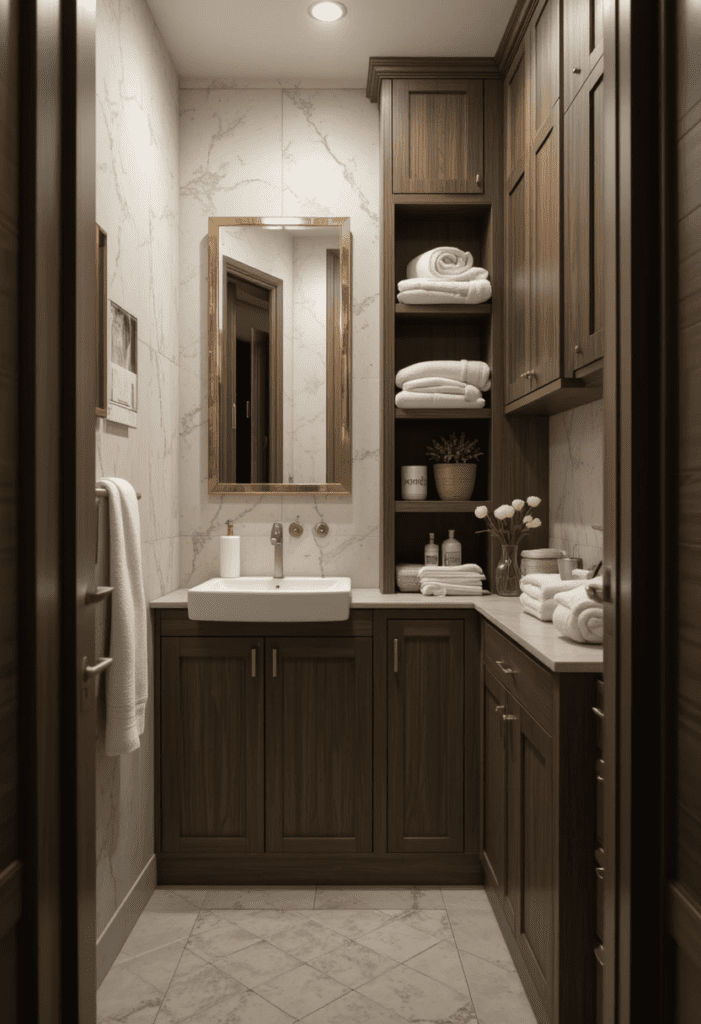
101 492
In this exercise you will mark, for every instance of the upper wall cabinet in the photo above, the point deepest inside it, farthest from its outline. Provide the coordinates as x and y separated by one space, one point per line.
583 43
438 136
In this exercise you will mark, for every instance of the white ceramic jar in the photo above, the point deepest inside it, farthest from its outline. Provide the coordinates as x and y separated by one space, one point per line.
414 483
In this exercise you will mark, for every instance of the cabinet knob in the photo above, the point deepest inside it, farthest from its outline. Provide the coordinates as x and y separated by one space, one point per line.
578 349
509 718
477 178
576 71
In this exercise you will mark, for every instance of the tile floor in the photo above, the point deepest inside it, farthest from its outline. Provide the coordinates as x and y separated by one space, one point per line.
322 955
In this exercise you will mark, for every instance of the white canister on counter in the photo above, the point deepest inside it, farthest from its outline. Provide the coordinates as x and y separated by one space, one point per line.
414 483
229 554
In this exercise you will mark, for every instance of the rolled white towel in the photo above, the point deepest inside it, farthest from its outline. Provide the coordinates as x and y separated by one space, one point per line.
444 261
466 371
466 391
543 586
577 616
420 400
441 284
542 610
434 589
468 293
470 568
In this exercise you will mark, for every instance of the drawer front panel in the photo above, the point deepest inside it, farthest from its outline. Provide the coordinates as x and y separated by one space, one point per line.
524 678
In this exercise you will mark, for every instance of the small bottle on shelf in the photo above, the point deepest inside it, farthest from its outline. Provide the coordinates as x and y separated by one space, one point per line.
452 550
431 551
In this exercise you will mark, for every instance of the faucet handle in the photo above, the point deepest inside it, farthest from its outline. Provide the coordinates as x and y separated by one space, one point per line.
321 529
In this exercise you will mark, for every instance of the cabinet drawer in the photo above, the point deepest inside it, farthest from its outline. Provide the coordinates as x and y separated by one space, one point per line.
529 683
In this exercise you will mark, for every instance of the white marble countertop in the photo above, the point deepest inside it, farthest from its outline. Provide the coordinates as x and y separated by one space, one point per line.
540 639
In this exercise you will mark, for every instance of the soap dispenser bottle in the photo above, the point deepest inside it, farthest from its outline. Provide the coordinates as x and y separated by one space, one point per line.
452 550
229 554
431 551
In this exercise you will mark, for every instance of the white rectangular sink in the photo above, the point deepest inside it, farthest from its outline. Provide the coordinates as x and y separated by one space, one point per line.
264 599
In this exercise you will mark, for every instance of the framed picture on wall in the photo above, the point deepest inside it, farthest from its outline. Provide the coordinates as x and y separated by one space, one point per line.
101 319
123 370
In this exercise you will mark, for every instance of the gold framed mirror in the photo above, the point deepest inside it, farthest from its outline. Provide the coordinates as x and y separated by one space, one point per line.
279 355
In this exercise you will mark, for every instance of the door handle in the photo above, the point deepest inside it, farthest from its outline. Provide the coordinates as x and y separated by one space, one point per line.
396 655
254 652
98 594
92 671
274 662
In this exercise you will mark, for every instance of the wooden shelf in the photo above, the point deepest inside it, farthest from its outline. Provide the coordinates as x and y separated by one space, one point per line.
442 414
440 506
457 310
559 396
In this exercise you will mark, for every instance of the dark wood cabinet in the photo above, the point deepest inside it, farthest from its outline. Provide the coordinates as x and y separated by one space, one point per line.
517 241
494 780
584 224
211 743
425 710
319 745
583 43
438 135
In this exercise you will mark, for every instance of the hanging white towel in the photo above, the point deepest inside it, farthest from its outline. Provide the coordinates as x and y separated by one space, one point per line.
468 371
441 284
467 293
443 262
127 679
466 391
419 400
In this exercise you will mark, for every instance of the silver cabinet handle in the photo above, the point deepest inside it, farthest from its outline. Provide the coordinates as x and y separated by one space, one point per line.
599 954
576 71
274 661
91 671
598 712
254 652
499 707
528 373
599 778
396 655
509 718
506 670
233 416
98 594
599 872
477 178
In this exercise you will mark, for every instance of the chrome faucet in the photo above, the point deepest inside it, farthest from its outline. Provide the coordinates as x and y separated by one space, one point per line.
276 539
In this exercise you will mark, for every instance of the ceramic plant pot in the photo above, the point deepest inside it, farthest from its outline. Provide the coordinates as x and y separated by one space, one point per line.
455 481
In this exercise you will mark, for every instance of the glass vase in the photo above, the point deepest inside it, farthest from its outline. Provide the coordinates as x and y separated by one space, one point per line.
507 574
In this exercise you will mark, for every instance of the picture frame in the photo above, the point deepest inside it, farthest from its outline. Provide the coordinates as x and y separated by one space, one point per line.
123 367
101 319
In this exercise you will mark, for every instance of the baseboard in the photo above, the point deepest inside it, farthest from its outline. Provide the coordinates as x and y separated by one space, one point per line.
116 932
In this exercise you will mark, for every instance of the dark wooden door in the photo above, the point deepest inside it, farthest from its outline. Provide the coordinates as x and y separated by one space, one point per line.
584 228
211 699
438 135
425 737
493 782
583 43
319 745
260 405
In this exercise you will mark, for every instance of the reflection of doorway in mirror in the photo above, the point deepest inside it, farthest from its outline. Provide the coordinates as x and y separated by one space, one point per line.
123 381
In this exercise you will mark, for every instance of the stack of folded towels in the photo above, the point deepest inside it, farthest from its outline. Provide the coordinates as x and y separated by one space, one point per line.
445 274
540 589
578 617
443 384
451 580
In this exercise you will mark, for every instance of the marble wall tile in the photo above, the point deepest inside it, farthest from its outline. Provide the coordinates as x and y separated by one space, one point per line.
577 482
272 152
137 204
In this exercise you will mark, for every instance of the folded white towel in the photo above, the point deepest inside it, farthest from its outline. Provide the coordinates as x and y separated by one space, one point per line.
433 284
446 571
466 371
424 383
577 616
469 293
542 610
444 261
420 400
543 586
127 679
466 391
435 589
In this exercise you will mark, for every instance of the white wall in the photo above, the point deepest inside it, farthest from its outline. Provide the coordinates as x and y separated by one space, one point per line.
279 152
577 482
137 205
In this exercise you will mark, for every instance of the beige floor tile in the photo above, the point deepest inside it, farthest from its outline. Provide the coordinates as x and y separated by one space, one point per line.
301 991
498 995
193 894
458 896
263 923
442 962
398 941
306 939
125 996
257 963
378 897
276 897
352 964
354 1009
239 1008
476 931
157 967
193 991
171 919
213 937
351 923
416 997
433 922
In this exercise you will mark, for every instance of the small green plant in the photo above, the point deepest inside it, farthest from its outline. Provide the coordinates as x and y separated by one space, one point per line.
453 449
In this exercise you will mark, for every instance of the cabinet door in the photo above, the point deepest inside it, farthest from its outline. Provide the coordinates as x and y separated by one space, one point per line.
493 781
517 262
211 746
319 745
585 225
583 42
545 253
425 736
438 135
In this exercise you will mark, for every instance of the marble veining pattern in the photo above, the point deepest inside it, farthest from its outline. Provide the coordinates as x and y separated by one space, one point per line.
273 152
330 955
577 482
137 204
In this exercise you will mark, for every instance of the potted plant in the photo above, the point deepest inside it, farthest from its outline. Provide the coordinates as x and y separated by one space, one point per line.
454 466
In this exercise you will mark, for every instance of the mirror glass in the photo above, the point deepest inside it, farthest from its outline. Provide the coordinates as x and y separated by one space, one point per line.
279 355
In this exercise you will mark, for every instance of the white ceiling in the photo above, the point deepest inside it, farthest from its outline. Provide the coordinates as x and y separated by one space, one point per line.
276 42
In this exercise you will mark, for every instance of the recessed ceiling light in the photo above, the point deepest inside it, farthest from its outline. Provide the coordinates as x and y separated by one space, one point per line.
327 10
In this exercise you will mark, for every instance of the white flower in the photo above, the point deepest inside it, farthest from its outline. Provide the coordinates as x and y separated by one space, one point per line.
481 512
518 504
534 524
533 501
504 512
527 520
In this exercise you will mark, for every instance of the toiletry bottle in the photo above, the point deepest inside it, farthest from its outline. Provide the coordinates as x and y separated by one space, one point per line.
431 551
229 554
452 550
